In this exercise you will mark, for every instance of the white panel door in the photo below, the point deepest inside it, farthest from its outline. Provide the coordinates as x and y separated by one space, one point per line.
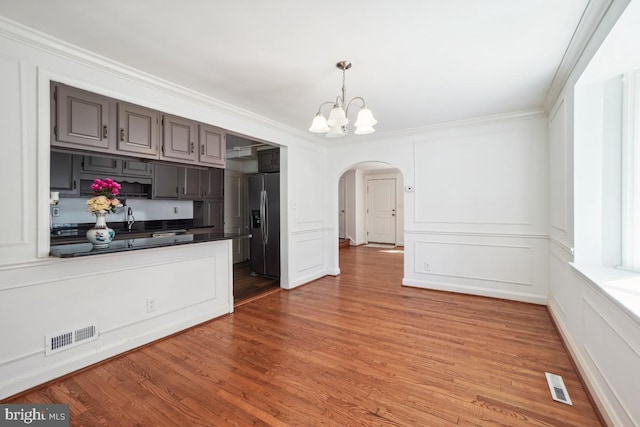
381 211
234 196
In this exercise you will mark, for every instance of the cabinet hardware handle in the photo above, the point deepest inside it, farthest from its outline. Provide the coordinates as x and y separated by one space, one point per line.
105 132
124 165
202 149
122 135
74 184
192 147
113 163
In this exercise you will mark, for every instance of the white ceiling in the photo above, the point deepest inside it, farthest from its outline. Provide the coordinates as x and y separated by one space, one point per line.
415 62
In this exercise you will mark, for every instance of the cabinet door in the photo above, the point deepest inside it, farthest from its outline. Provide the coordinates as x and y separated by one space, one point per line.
269 160
82 119
178 139
191 183
138 130
212 146
64 168
103 165
137 168
213 182
165 182
214 214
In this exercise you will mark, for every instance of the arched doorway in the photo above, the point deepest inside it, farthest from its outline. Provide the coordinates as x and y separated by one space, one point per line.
371 206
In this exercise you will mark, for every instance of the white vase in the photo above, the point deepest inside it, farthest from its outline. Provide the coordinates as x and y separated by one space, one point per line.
100 235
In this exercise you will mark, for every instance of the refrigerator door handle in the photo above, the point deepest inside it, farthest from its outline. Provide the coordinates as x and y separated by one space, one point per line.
263 195
266 218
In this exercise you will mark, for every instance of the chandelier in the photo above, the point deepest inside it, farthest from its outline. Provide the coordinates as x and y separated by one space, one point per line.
336 125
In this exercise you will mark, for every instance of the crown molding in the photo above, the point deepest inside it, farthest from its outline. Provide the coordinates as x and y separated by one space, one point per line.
589 22
457 124
43 42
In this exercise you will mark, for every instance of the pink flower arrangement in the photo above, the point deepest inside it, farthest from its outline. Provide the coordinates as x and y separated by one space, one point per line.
105 192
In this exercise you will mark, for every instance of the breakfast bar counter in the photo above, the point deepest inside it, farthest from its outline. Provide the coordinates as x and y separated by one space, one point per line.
131 244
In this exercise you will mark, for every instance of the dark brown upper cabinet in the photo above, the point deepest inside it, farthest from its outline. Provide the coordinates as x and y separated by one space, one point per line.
64 169
191 183
212 146
179 139
82 119
213 183
138 130
96 123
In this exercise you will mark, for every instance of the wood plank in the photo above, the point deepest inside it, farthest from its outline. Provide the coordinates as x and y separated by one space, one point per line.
358 349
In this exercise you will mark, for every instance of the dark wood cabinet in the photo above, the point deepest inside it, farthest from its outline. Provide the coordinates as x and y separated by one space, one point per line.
269 160
213 183
116 168
165 181
214 214
179 139
64 173
212 146
109 167
137 168
82 119
138 130
94 123
191 183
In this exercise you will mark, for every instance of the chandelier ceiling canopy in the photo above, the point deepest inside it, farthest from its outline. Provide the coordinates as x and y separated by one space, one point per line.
336 125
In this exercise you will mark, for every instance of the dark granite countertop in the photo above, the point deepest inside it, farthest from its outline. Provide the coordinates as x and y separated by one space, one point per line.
73 250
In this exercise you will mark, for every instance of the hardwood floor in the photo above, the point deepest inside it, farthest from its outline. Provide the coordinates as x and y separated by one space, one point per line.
357 349
247 287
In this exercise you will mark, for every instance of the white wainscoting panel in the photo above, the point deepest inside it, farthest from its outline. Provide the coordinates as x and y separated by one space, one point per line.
13 161
479 262
603 340
512 267
307 257
613 356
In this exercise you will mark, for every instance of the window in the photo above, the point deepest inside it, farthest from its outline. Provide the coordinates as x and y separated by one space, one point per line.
631 172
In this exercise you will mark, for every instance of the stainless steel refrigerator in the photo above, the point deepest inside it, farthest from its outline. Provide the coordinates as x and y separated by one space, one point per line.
264 206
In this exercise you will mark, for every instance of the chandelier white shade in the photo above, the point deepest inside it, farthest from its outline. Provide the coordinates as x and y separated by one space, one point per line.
336 125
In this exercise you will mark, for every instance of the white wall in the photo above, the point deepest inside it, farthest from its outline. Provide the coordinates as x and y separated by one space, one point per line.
602 335
28 62
477 219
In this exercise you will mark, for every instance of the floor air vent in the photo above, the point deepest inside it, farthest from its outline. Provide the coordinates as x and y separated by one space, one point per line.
558 390
68 339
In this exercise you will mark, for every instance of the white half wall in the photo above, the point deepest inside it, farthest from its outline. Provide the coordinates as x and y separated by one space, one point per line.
190 284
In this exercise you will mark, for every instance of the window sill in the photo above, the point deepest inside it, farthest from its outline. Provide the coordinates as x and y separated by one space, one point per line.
620 286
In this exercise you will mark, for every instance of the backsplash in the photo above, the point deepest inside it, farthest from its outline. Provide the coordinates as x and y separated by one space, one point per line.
74 211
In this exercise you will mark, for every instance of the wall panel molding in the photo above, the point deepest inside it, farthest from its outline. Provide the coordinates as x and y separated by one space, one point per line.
14 133
474 261
476 234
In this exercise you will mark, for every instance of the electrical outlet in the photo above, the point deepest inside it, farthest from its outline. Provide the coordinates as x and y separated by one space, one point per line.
55 211
151 305
427 267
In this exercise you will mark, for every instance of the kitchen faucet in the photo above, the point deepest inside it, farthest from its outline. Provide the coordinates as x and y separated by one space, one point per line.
130 218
